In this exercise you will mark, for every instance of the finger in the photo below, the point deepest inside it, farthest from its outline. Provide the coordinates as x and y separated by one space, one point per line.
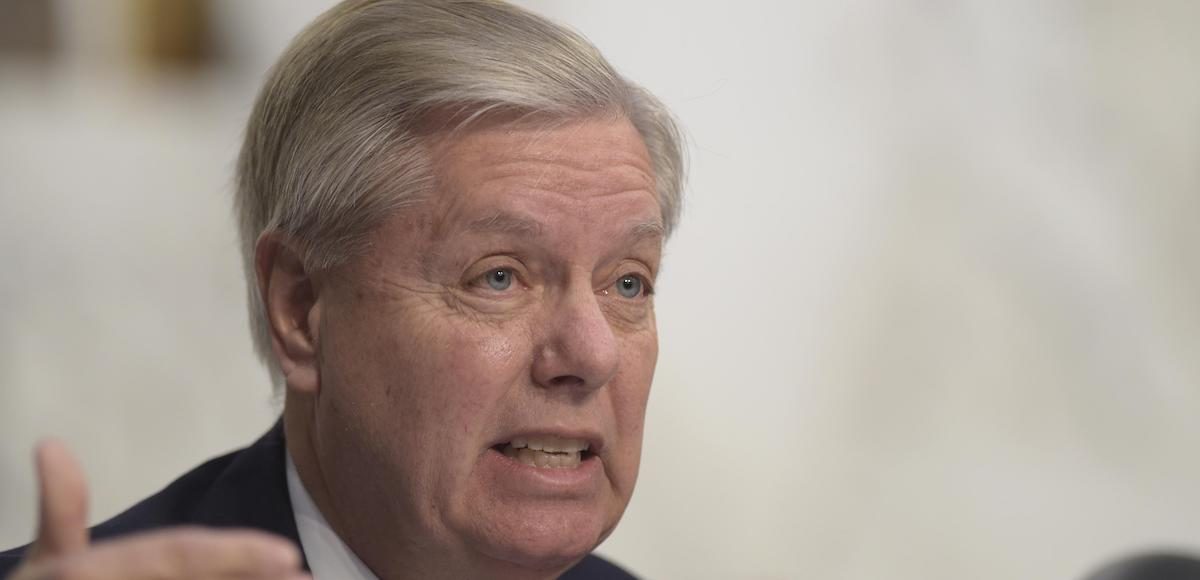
62 502
187 553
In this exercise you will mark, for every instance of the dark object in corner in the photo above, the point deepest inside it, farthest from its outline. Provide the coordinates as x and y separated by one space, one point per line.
27 29
1151 567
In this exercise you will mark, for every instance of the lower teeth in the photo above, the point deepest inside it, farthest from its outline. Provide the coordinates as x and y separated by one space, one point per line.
537 458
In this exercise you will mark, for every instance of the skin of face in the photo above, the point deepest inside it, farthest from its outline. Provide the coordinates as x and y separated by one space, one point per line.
515 301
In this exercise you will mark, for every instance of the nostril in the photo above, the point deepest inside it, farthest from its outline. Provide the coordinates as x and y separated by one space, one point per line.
566 381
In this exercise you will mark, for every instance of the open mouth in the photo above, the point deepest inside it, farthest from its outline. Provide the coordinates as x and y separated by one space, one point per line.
546 452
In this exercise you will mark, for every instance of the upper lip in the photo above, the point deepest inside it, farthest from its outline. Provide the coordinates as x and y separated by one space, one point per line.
593 439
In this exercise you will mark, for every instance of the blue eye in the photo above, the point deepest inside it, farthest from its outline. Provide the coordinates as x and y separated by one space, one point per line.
629 286
499 279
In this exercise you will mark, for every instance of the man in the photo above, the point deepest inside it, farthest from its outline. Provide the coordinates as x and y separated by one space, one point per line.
452 216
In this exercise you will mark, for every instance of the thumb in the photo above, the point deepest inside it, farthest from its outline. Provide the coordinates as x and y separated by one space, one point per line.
62 502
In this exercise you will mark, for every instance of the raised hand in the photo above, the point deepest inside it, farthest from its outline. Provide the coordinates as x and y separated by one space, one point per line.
63 551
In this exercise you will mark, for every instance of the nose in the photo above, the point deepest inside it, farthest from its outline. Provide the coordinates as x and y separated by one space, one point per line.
579 350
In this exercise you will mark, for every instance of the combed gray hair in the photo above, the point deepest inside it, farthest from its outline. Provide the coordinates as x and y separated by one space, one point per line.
334 142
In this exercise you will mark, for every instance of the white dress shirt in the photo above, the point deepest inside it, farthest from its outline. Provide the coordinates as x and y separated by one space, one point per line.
328 557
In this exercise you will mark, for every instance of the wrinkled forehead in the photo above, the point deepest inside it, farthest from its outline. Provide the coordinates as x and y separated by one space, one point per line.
510 175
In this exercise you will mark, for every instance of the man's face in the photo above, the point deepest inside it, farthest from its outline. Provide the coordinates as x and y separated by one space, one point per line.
509 312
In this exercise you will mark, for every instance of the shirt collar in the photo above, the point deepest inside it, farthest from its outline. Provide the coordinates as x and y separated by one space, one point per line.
328 557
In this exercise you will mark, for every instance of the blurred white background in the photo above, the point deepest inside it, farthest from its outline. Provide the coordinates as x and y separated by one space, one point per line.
932 312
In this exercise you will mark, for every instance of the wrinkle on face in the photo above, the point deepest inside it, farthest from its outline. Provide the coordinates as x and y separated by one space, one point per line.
430 367
547 163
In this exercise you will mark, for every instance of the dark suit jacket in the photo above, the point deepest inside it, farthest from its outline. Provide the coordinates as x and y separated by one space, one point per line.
245 489
1161 566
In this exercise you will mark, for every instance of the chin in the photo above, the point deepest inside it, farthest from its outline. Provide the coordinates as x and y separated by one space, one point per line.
544 541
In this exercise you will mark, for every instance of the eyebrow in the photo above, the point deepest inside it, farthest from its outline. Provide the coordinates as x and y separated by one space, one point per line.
650 229
507 223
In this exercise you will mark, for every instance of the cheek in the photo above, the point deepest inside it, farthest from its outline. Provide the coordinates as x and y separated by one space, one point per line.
638 359
478 366
439 374
630 397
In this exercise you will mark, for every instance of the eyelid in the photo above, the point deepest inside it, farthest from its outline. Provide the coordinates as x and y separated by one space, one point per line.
647 283
476 277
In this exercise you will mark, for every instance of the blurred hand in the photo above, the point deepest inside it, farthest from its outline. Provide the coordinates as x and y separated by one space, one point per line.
63 551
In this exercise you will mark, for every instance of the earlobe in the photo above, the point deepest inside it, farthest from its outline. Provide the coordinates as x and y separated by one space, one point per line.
292 310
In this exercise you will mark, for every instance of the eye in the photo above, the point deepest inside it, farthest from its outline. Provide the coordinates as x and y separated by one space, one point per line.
629 286
499 279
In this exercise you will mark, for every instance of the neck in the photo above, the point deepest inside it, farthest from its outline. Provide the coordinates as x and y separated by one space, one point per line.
299 432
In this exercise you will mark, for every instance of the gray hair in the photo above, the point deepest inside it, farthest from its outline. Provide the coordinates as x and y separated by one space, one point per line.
334 142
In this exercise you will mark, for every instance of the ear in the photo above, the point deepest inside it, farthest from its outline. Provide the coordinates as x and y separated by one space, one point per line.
289 297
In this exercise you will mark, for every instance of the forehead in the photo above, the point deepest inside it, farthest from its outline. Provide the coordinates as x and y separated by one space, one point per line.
518 176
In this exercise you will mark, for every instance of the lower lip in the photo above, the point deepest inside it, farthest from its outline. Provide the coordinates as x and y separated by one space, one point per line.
515 477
